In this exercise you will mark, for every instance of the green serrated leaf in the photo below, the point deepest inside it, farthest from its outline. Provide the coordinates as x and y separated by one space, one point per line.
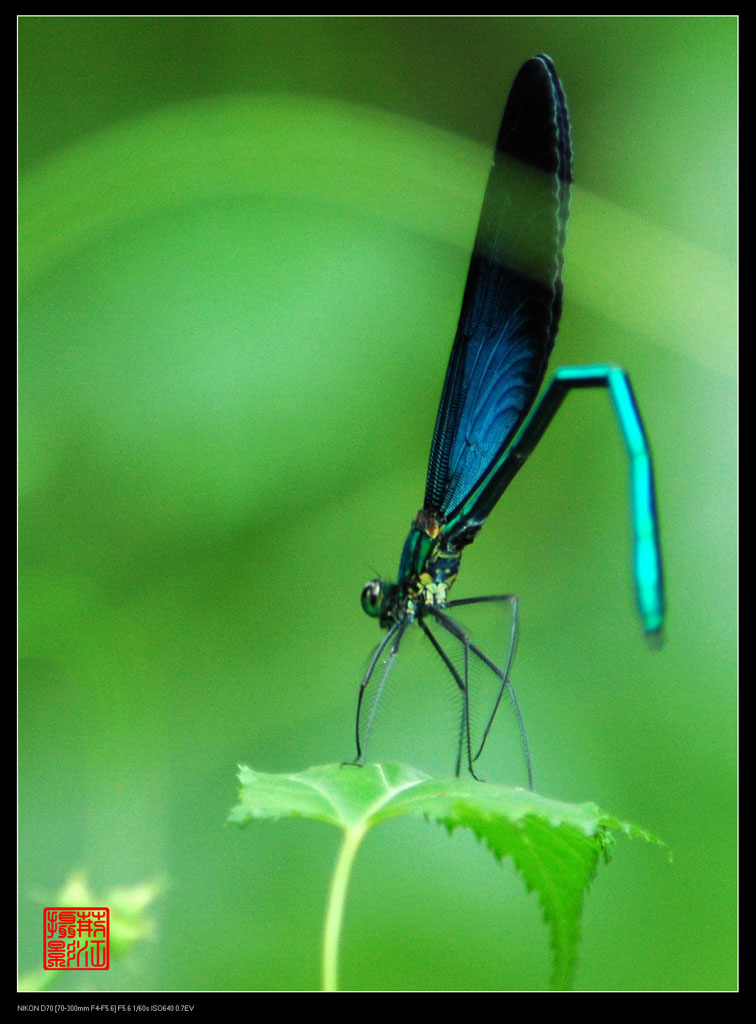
341 795
555 846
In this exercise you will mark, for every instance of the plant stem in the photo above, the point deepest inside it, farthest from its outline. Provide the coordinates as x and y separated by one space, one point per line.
335 913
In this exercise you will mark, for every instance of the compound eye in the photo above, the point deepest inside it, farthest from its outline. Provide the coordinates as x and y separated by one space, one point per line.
371 598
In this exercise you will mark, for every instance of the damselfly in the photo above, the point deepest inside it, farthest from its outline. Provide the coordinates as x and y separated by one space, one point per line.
509 319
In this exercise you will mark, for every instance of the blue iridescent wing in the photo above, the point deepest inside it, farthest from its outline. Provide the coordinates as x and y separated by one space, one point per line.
513 296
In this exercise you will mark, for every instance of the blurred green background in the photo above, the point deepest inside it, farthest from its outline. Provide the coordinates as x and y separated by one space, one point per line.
243 244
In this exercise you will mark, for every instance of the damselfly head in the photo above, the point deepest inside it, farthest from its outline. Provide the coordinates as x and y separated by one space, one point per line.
385 601
372 596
